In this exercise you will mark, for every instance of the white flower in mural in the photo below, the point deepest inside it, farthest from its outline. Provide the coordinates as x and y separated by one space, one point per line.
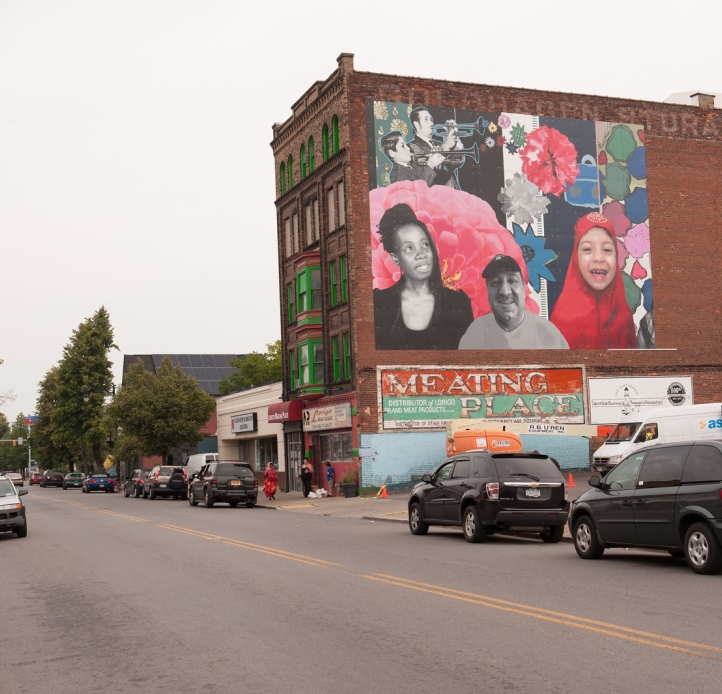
381 110
521 199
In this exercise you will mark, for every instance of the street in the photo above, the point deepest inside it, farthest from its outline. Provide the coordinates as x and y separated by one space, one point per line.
114 594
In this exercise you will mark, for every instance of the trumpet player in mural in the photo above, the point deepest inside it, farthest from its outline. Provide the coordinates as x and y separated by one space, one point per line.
423 146
405 168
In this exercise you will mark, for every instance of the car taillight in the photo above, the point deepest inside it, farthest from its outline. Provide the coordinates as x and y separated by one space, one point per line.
566 492
720 494
492 490
185 475
255 481
214 482
157 474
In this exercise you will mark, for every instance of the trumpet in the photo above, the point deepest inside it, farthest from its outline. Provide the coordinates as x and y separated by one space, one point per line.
462 129
473 152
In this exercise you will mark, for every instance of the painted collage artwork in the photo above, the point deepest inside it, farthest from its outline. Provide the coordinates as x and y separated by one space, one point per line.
507 231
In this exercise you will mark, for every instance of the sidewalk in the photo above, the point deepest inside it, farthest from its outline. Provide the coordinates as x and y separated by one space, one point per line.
392 509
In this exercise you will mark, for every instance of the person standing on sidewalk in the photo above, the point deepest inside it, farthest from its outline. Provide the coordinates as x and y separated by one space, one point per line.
330 478
270 480
306 476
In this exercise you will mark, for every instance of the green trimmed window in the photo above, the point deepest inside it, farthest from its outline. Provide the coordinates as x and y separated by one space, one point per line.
332 280
291 294
344 278
318 361
335 134
283 178
346 356
336 358
325 142
290 172
308 289
311 155
310 363
292 369
303 161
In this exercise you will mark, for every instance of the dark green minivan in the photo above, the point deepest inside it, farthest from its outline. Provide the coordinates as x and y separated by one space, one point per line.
664 497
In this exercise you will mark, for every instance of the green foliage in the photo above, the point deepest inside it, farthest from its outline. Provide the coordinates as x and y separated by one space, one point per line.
84 366
256 369
15 457
158 412
4 426
48 453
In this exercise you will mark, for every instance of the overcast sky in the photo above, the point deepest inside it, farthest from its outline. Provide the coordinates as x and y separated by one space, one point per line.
135 166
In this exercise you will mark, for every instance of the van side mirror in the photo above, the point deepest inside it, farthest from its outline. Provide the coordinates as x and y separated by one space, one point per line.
594 481
426 477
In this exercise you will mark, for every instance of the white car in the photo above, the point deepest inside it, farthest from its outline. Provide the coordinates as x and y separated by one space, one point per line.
15 478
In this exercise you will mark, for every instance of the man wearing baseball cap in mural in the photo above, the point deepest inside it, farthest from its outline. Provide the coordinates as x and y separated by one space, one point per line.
509 325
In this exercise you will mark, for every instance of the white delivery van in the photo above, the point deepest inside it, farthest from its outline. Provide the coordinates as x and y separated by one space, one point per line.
663 425
197 461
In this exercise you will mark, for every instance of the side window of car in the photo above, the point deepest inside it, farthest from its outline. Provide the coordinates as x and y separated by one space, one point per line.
703 464
461 469
479 467
444 472
625 474
663 467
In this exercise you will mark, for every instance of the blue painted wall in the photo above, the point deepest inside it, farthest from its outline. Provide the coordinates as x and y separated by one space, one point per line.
399 459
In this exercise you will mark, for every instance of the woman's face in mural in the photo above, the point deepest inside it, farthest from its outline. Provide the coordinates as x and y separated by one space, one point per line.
597 258
414 256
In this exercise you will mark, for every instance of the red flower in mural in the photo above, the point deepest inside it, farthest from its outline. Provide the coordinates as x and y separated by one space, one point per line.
466 233
549 160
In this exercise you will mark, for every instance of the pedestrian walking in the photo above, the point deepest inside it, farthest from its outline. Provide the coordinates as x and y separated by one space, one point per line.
306 476
330 478
270 481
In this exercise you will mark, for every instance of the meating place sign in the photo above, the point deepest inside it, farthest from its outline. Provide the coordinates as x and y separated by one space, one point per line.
426 398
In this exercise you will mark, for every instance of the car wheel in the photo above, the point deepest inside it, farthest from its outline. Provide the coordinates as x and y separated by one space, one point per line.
208 500
585 539
152 494
125 492
474 531
553 534
701 550
65 487
250 504
676 553
22 532
137 492
416 525
192 499
175 497
233 504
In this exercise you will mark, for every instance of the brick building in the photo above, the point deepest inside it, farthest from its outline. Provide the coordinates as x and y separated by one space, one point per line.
529 166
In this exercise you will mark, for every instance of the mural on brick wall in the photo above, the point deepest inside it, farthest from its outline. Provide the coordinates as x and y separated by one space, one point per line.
507 231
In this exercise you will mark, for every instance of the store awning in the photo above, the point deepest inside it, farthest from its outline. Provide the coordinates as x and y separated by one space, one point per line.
285 411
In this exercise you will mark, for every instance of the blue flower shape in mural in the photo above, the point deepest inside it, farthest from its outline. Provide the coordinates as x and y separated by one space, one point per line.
536 256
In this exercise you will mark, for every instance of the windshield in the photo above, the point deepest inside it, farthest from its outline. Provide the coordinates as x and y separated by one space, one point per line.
6 488
623 432
529 468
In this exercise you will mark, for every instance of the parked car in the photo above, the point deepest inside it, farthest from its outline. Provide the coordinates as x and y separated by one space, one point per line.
12 510
99 483
166 481
487 492
73 479
52 478
134 484
35 478
665 497
228 481
16 478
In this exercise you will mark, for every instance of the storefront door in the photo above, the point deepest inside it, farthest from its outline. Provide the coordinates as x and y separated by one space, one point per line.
294 458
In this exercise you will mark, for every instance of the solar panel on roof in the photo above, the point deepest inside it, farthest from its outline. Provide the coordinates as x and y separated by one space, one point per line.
184 360
196 360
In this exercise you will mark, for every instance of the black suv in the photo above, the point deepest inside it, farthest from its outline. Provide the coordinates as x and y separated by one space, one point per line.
487 492
165 481
668 497
225 480
52 478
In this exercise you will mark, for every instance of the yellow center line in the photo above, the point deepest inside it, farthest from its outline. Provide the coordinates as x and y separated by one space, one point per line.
551 616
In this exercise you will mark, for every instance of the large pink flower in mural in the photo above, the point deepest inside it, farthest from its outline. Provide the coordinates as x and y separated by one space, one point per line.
549 160
637 240
466 233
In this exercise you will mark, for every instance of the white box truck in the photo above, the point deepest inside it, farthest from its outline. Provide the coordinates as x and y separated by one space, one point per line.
663 425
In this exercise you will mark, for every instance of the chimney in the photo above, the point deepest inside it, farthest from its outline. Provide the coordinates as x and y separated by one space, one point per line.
345 63
704 100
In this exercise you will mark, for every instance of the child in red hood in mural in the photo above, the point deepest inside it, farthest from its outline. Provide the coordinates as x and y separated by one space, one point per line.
592 310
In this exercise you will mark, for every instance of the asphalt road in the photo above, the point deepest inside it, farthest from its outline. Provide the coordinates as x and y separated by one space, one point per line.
108 594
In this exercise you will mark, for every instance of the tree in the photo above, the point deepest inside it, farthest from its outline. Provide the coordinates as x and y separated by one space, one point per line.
158 412
47 450
254 370
84 367
15 457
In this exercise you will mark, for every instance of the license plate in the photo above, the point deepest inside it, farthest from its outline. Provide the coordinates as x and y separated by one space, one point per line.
162 485
235 483
102 486
533 492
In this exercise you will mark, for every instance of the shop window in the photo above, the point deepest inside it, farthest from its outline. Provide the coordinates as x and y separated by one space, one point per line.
346 356
341 203
336 358
266 452
303 162
331 209
335 134
343 271
332 281
336 448
325 142
247 452
311 155
290 172
287 234
291 296
283 178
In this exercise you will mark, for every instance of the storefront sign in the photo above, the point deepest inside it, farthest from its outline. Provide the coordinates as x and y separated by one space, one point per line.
243 423
547 429
615 400
427 397
285 411
331 417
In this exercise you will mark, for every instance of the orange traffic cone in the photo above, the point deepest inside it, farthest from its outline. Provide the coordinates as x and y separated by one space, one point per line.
570 483
382 492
